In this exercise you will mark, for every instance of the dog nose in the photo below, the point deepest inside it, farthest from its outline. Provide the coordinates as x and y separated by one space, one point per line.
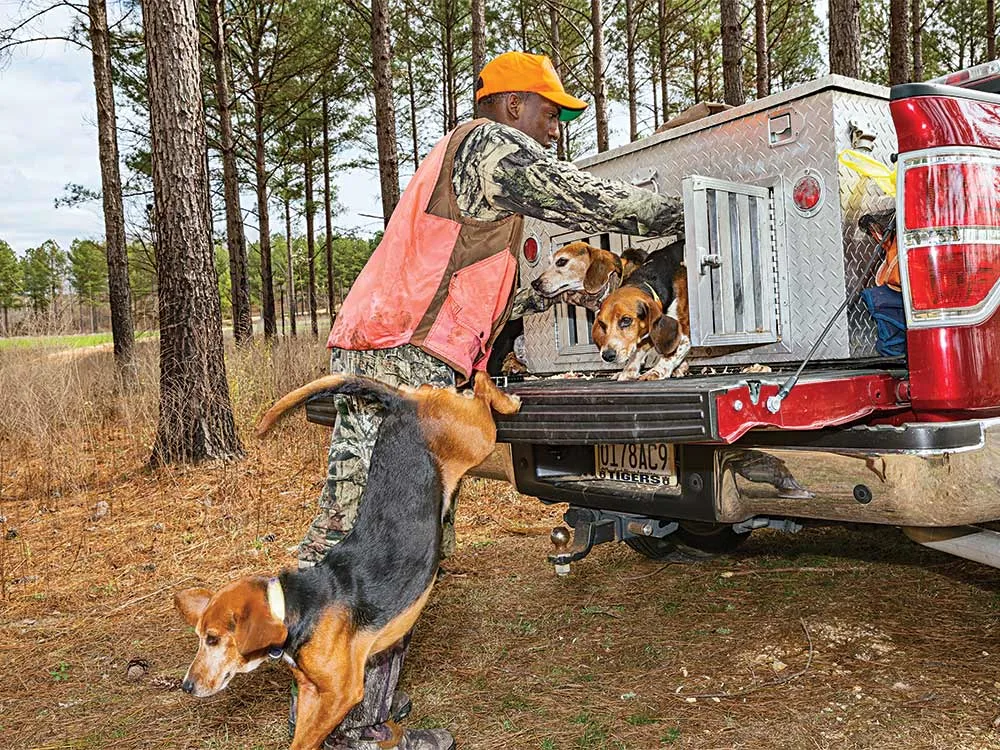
187 686
609 355
537 284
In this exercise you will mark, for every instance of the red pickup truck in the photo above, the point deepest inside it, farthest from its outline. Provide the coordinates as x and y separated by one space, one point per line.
691 466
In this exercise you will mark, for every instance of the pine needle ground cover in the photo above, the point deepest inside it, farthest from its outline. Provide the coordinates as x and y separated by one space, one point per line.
839 638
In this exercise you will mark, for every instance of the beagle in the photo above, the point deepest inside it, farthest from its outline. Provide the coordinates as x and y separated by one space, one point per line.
366 594
648 310
589 274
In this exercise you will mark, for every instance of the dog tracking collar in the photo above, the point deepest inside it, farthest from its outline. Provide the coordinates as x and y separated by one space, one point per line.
656 297
276 599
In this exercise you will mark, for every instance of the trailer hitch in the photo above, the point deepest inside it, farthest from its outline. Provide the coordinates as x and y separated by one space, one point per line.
586 534
593 527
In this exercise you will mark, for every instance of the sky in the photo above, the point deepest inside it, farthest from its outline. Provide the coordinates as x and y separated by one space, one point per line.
48 138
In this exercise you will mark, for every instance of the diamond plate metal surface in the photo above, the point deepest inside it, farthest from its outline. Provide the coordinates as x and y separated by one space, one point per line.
820 257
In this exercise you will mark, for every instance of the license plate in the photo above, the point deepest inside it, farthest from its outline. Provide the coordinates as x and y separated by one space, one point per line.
649 463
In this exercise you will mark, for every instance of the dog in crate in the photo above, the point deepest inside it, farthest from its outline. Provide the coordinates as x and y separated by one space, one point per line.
583 275
648 312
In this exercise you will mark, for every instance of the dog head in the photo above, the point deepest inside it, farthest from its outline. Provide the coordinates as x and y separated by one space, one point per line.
577 267
630 319
235 628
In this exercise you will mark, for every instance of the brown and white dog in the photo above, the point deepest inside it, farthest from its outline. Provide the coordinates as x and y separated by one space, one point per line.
649 310
365 595
585 274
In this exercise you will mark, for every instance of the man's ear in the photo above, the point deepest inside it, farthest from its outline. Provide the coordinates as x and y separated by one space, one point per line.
191 603
602 265
513 104
664 332
257 628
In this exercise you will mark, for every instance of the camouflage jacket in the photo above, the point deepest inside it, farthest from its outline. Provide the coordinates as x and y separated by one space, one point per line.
500 171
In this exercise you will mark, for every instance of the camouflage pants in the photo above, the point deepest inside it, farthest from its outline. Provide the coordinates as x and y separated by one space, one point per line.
354 434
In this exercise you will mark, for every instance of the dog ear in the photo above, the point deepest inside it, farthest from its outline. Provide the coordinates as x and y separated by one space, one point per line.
191 603
597 332
664 332
602 265
257 628
635 256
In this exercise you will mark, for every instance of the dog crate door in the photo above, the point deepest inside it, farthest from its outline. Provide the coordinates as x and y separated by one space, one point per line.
731 260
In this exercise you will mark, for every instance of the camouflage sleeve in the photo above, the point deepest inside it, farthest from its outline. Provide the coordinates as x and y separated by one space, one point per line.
517 175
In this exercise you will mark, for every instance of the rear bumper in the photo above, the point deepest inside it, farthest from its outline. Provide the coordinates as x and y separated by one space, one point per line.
719 408
917 475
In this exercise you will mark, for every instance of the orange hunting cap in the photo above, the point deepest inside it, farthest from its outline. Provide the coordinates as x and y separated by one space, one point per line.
520 71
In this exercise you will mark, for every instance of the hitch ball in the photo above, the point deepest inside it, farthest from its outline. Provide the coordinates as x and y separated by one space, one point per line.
560 538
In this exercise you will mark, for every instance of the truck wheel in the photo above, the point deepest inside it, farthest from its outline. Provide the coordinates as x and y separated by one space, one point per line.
692 542
708 538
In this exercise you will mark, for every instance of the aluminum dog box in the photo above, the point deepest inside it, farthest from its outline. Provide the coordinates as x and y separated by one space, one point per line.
765 275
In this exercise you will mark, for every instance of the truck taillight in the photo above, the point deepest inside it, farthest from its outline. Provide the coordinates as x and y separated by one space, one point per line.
952 194
951 279
949 239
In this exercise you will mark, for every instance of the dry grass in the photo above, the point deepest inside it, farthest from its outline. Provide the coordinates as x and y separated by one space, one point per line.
894 645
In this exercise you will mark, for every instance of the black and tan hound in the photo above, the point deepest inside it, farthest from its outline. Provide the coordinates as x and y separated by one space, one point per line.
368 591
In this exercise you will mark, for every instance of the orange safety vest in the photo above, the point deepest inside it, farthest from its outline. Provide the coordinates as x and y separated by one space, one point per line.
438 280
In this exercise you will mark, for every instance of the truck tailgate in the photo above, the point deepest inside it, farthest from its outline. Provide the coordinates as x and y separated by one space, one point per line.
714 408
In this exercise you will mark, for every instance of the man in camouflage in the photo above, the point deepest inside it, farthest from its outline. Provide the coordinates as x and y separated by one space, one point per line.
505 167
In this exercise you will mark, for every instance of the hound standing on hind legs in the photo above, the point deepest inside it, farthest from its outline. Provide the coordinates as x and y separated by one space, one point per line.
326 621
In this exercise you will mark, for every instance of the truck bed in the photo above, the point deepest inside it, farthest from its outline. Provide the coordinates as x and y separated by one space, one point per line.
708 408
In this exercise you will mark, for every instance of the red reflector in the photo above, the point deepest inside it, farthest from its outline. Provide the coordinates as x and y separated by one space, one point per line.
952 276
806 193
952 195
530 250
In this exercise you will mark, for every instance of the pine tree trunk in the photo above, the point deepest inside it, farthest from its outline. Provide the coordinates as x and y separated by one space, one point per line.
661 48
653 79
328 209
264 221
991 30
732 52
899 42
235 238
119 286
310 234
917 39
196 418
630 38
761 51
696 70
845 37
478 42
413 112
556 49
452 76
290 272
385 123
600 84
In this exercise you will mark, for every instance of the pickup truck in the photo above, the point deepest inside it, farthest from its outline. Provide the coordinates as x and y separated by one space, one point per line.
690 466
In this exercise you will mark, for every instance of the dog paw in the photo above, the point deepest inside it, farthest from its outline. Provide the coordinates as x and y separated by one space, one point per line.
652 375
681 371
